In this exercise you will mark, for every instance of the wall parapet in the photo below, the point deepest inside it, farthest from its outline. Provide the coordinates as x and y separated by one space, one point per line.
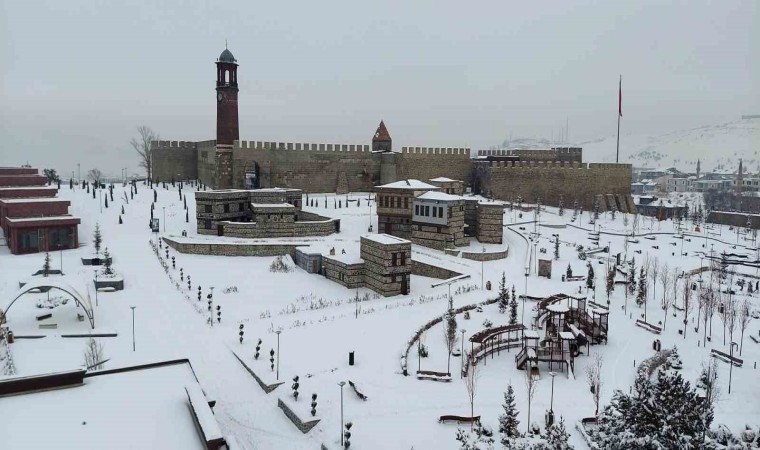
301 146
173 144
436 150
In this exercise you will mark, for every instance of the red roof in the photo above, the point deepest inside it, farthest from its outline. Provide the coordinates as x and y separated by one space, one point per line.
382 133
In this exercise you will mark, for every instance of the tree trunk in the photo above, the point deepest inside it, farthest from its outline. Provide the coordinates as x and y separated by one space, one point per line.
741 345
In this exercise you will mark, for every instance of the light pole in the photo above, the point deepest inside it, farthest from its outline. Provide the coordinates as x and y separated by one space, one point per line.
133 327
100 192
96 287
522 315
164 208
341 384
731 366
461 372
551 402
278 354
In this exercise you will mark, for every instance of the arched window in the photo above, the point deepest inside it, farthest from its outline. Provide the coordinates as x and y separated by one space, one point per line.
226 77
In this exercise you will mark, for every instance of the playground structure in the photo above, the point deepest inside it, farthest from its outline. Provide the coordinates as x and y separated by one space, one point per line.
567 328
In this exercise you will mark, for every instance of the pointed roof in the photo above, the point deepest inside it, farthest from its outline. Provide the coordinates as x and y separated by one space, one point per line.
382 133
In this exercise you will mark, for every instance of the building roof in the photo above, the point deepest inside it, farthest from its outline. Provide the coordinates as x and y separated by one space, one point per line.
441 196
272 205
444 180
227 57
409 184
13 188
382 133
386 239
34 200
104 412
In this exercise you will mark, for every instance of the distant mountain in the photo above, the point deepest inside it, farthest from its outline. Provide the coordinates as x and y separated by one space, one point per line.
719 147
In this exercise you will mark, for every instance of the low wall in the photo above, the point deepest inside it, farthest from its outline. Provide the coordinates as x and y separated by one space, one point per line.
348 275
305 427
486 256
429 270
223 249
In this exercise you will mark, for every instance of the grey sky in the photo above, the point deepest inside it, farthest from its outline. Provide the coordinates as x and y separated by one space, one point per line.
78 77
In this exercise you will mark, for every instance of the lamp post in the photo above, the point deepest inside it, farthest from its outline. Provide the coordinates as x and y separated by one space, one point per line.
522 315
341 384
164 208
133 327
461 372
551 402
96 287
731 365
278 354
100 193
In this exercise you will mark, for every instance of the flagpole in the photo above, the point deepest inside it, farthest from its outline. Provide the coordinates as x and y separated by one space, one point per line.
620 113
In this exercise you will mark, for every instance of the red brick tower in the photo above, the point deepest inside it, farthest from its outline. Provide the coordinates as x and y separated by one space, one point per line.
227 128
381 141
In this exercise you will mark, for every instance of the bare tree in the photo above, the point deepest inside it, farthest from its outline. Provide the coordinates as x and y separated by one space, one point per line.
654 272
707 305
594 379
664 280
530 387
470 383
95 175
731 316
94 355
724 312
687 305
744 319
142 147
449 335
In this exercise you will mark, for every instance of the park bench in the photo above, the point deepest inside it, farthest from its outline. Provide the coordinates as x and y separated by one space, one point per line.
717 354
648 326
356 391
48 326
459 419
433 376
44 316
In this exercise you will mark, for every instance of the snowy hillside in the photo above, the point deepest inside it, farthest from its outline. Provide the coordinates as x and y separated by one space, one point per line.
718 146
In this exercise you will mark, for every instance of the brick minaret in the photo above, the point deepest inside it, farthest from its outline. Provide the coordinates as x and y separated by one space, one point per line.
227 128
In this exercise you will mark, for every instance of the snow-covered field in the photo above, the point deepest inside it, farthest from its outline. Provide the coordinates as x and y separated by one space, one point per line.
320 326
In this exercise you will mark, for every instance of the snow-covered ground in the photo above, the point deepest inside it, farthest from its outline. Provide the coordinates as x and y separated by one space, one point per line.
320 325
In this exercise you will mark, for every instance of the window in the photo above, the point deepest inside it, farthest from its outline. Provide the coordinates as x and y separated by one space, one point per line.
406 202
398 202
241 207
403 258
207 224
440 211
207 208
393 277
226 207
417 210
435 211
393 259
427 211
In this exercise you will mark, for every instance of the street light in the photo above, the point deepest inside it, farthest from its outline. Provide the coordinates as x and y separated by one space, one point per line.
522 315
731 365
133 327
164 208
461 372
278 354
96 287
551 402
341 384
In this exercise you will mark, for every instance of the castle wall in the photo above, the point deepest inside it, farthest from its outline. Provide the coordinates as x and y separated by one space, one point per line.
424 163
548 180
206 161
564 154
174 159
310 167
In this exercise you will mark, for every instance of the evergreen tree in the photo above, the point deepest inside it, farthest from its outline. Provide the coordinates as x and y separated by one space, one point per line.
122 209
557 436
590 277
561 207
632 277
97 238
569 272
46 265
556 249
187 216
508 421
120 221
107 269
106 201
503 294
513 310
641 298
610 282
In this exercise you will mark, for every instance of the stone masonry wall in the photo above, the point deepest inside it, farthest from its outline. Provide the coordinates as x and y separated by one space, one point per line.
177 159
220 249
380 274
423 163
507 180
348 275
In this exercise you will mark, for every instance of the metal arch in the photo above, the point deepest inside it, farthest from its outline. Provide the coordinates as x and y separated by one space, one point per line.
90 314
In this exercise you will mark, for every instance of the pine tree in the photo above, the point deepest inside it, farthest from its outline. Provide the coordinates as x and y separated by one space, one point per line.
122 209
508 421
561 207
503 294
590 277
187 216
46 265
641 297
556 249
107 269
632 277
97 239
106 201
513 309
557 436
610 282
569 272
120 221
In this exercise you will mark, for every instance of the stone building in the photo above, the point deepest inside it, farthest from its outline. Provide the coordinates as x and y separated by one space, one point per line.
260 213
387 264
228 162
449 186
394 206
31 218
438 220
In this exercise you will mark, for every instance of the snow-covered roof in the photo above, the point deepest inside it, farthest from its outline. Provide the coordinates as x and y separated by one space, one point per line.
39 219
530 334
272 205
33 200
386 239
443 180
106 412
409 184
13 188
558 308
442 196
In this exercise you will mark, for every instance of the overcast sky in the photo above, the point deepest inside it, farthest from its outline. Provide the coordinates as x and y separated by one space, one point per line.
79 77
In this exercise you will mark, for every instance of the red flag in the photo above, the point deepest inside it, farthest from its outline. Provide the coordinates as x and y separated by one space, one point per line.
620 97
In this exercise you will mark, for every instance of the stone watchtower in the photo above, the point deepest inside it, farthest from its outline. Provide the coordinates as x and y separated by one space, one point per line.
227 128
381 141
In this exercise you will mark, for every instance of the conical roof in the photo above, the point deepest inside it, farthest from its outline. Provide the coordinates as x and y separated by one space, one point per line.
382 133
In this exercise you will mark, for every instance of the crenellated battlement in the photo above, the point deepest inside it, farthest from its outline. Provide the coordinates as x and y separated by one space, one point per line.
436 151
555 165
301 146
554 152
173 144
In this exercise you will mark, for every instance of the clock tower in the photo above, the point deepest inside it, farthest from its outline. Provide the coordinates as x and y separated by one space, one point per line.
227 129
